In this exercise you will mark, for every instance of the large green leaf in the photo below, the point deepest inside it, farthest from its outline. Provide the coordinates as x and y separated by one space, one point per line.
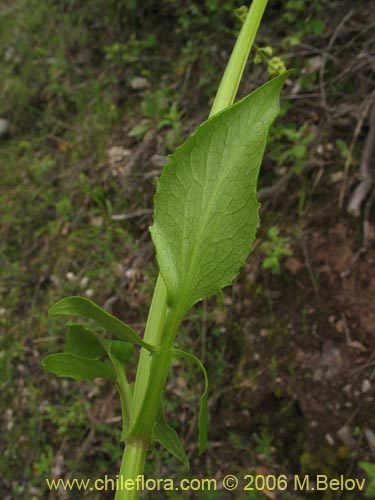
64 364
206 209
168 438
80 306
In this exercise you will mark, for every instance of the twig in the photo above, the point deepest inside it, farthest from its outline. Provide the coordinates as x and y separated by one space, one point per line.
276 189
366 222
132 215
366 179
326 55
366 107
354 260
309 270
346 329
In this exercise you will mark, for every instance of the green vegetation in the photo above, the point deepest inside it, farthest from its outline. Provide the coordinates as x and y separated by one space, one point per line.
199 248
274 248
370 469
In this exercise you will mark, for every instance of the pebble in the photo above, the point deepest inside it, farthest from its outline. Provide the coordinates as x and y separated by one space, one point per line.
84 282
366 386
329 439
346 436
318 375
139 83
347 389
70 276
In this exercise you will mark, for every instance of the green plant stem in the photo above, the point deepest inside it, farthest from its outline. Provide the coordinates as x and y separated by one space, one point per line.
163 321
233 73
154 333
131 468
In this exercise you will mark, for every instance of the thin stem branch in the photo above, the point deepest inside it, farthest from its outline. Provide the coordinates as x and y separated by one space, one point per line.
233 73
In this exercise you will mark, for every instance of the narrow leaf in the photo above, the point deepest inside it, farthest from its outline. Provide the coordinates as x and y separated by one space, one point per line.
80 306
82 341
169 439
119 352
203 414
206 209
64 364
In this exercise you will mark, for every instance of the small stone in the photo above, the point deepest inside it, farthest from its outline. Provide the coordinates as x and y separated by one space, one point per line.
117 154
70 276
340 326
355 344
314 63
318 375
97 221
84 282
347 389
329 439
139 83
345 434
337 177
366 386
89 293
130 273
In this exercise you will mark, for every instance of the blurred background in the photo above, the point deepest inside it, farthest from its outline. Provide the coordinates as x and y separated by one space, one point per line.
93 97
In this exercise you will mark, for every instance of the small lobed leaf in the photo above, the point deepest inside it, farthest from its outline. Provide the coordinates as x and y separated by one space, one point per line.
206 208
123 351
82 341
169 439
80 306
80 368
